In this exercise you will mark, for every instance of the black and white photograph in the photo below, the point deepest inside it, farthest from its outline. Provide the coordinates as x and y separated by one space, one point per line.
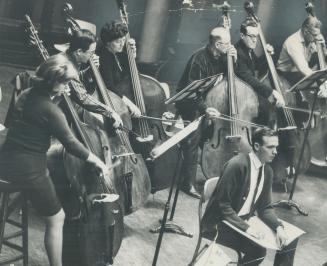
163 132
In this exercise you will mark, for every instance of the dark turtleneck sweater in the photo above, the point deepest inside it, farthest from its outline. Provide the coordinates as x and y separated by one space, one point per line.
113 67
202 64
35 120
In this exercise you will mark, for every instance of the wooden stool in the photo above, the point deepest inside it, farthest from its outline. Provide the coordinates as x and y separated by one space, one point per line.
6 209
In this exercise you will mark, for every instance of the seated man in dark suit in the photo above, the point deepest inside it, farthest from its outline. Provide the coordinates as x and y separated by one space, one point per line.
245 188
248 66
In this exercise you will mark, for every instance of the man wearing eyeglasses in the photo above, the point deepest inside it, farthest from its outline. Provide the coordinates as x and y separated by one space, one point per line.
248 66
205 62
82 49
298 57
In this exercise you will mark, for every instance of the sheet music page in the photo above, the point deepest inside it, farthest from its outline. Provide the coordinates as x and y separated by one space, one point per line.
159 150
269 240
214 256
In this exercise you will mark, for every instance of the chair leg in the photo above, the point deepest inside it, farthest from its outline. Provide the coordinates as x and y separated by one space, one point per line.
25 232
3 215
196 251
239 257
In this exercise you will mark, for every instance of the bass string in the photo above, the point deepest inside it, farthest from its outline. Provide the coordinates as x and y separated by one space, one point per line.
287 113
108 101
137 89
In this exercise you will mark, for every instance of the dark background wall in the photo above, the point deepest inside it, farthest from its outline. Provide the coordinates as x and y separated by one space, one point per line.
189 22
280 18
47 18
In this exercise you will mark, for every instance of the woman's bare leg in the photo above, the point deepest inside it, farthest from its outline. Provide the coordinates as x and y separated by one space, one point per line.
53 237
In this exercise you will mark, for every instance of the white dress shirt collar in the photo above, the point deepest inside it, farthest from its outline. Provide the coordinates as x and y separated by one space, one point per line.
255 160
255 165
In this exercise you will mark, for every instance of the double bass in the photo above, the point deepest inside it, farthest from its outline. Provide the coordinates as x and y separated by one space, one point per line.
318 134
236 99
134 176
93 229
289 125
149 96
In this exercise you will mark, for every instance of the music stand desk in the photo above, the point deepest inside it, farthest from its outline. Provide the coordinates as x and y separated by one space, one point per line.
194 89
310 82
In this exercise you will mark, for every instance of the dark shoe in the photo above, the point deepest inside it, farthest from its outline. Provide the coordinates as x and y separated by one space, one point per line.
192 193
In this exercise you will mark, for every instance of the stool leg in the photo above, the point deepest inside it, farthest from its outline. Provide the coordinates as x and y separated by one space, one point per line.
25 232
3 215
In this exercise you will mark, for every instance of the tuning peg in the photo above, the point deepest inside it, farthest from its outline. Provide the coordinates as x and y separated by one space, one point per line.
309 5
309 8
187 3
249 6
226 5
67 8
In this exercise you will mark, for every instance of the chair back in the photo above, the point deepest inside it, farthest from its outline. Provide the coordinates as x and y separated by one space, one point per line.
214 252
209 187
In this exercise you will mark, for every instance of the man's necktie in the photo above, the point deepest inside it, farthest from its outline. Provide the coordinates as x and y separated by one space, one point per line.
256 191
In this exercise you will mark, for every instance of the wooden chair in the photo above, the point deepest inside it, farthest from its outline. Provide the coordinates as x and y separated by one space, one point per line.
208 189
11 200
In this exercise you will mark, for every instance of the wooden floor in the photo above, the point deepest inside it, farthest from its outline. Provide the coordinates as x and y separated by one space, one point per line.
139 244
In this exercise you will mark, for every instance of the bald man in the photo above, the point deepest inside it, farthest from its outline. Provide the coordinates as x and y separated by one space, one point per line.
205 62
298 57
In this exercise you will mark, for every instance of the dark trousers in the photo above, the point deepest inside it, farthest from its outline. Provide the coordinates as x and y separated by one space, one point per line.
190 162
292 77
266 113
253 253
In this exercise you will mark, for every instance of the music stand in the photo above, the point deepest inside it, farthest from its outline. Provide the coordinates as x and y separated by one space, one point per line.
315 79
196 89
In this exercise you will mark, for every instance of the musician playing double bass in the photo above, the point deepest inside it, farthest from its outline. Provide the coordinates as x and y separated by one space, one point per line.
82 49
207 61
298 56
114 66
248 66
35 119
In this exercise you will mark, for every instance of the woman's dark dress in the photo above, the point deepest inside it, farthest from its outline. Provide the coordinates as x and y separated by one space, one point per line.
23 161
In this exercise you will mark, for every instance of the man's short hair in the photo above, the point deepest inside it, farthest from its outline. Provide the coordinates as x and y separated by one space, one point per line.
258 134
81 39
112 31
247 23
311 23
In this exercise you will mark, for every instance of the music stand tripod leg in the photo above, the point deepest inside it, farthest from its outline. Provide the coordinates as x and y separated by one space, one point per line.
290 202
171 226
